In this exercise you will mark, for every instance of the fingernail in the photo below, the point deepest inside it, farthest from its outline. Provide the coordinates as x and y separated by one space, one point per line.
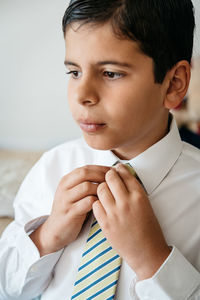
118 166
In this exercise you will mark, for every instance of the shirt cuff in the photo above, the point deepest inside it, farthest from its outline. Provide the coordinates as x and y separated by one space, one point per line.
176 279
31 256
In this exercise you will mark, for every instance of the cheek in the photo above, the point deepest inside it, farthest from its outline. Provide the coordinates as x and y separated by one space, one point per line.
127 104
70 98
72 106
133 107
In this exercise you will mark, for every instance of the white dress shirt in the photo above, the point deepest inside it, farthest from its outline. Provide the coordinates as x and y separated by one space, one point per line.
170 173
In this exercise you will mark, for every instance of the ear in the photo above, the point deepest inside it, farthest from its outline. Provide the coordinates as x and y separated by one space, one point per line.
177 81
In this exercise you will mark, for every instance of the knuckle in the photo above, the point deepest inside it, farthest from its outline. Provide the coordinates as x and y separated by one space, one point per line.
67 210
94 187
91 199
63 180
110 175
106 225
137 198
77 209
101 187
125 208
85 187
95 204
84 205
84 171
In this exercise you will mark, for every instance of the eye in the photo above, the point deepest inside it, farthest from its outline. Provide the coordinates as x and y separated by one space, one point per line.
112 75
74 74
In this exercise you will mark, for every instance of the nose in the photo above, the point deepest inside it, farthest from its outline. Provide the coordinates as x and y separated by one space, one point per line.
86 92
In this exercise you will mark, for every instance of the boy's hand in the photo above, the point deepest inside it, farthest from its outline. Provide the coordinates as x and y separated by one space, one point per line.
127 220
74 198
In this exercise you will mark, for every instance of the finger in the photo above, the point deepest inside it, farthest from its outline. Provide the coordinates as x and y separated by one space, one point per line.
105 197
99 212
91 173
128 178
84 205
116 185
82 190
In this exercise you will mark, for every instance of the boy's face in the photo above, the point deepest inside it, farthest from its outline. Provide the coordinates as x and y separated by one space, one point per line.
111 91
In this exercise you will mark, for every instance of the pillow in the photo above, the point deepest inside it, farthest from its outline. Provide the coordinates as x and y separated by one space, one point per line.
13 168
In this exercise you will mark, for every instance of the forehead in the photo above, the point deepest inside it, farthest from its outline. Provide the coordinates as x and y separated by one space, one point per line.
99 40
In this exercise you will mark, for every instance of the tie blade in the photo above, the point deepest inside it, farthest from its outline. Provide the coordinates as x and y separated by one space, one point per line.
99 270
92 288
98 273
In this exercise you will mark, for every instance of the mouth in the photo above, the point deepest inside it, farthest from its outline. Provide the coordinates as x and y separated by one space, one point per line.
90 126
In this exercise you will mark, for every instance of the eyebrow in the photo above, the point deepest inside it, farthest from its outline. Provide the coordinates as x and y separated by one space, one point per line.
101 63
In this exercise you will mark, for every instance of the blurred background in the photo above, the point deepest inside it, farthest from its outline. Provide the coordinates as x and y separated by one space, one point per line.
34 114
33 103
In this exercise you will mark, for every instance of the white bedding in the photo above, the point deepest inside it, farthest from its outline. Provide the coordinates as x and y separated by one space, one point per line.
13 168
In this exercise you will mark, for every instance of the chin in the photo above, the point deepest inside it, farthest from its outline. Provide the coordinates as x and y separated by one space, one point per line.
98 144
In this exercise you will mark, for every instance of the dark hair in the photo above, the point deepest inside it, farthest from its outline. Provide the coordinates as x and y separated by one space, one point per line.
164 29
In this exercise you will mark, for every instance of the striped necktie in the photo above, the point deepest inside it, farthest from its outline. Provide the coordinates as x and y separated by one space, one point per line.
99 270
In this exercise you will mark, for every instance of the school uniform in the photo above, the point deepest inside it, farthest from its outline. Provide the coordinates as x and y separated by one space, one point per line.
170 173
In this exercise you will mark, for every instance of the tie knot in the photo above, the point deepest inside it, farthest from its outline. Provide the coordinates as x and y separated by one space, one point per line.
128 166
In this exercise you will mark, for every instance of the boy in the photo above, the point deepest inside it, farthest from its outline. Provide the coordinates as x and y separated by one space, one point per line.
129 64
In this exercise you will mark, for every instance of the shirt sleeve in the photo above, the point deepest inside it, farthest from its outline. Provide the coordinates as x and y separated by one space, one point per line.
23 274
176 279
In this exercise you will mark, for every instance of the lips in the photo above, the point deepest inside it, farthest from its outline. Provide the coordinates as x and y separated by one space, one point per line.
90 126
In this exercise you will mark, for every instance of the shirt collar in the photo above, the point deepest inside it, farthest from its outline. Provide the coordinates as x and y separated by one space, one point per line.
153 164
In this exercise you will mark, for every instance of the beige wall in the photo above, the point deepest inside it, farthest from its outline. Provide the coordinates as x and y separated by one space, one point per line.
33 101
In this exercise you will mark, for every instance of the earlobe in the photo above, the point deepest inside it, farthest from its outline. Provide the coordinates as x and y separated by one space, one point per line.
177 79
